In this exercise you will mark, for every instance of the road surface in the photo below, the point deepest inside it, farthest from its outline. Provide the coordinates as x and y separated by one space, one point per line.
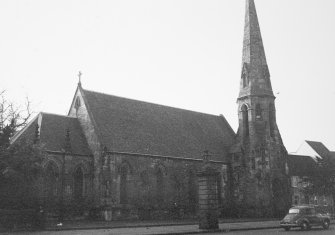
161 230
314 231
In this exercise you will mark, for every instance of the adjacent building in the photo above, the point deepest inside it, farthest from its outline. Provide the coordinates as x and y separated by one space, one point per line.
304 164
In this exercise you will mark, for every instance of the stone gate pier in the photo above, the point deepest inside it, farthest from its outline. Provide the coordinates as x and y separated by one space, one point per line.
208 198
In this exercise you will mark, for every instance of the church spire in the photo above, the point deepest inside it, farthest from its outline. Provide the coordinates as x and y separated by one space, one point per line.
255 78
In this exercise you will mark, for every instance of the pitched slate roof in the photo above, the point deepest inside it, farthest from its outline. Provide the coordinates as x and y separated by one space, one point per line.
53 130
135 126
300 165
27 133
319 147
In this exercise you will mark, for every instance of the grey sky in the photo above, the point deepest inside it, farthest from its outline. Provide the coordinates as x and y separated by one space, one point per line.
181 53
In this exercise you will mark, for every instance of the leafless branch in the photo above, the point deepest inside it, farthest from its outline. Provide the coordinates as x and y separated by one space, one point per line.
15 115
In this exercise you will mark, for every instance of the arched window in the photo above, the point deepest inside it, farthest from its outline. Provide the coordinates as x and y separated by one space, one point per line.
258 112
51 181
78 103
272 119
78 184
245 120
123 184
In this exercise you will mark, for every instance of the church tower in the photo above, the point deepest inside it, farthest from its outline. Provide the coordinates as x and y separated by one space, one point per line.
263 182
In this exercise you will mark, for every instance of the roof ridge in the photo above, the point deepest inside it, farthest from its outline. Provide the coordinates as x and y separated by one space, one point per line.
56 114
316 142
299 155
147 102
313 141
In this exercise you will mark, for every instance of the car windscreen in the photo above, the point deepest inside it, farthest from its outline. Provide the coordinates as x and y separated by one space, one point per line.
294 211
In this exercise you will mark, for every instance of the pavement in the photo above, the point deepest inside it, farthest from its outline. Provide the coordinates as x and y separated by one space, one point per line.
154 227
166 227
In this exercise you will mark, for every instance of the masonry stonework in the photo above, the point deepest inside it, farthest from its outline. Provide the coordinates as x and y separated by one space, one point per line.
78 109
261 180
154 187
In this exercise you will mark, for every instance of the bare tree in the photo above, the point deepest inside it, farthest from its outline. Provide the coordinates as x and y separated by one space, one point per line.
20 164
12 118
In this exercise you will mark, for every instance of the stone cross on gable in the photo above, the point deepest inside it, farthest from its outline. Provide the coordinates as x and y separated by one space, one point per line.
79 76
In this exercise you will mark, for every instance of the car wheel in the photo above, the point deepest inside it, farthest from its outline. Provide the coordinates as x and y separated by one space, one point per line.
287 228
325 224
305 226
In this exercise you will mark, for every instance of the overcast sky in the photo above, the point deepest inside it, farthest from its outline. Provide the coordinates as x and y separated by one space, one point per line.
180 53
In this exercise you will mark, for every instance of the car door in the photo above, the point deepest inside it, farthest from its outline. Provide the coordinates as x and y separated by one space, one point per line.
313 216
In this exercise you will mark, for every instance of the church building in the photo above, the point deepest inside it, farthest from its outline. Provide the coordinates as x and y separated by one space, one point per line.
134 159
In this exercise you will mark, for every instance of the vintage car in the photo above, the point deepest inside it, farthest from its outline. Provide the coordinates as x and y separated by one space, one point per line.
304 217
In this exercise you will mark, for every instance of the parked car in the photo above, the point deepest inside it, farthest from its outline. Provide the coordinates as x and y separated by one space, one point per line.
304 217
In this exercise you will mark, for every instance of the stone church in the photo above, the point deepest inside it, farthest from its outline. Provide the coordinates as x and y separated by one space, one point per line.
134 159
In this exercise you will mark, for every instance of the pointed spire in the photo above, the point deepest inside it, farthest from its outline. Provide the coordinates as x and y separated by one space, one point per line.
255 78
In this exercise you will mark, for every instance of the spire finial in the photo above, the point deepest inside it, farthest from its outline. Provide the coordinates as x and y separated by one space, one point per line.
79 77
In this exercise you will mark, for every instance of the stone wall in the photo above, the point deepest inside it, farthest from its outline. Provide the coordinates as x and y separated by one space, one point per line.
49 185
154 188
86 123
261 184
